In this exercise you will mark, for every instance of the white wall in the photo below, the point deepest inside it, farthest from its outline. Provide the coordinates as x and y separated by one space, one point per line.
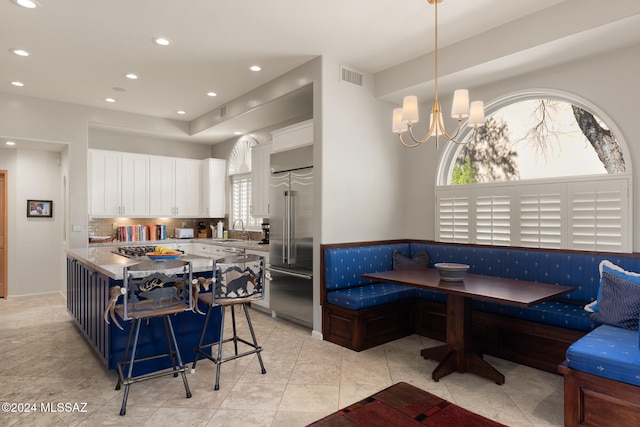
362 179
608 83
34 267
26 118
135 143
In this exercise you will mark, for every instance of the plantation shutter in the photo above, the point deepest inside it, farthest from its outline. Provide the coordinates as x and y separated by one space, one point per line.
454 219
493 220
541 220
573 213
598 213
241 199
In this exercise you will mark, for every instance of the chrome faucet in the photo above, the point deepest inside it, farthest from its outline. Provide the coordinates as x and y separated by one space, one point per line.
245 233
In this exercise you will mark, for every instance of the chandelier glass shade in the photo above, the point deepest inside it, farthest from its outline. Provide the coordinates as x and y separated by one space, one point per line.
461 109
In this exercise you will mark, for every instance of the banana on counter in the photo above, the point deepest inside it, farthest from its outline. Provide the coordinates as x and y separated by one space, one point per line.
163 250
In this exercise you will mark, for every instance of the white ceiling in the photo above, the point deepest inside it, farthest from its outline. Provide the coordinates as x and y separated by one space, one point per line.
81 49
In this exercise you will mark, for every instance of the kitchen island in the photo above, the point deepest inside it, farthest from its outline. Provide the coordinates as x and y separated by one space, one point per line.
91 272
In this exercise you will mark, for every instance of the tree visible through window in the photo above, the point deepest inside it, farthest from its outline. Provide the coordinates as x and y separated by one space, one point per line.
541 173
539 138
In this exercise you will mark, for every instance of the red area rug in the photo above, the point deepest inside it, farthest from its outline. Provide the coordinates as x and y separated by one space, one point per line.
404 405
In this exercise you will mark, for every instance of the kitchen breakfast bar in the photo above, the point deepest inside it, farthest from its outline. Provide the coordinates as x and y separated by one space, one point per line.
91 273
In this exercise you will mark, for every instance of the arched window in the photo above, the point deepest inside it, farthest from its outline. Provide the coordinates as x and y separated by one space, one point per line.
545 171
239 170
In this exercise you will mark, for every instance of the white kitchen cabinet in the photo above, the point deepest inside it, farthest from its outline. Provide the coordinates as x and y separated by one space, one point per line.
174 186
214 173
260 175
188 187
118 184
211 251
186 247
294 136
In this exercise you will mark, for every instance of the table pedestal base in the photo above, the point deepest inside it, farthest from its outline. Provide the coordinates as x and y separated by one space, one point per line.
460 361
455 356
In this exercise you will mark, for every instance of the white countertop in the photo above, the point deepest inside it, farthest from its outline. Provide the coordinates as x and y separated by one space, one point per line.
236 243
106 262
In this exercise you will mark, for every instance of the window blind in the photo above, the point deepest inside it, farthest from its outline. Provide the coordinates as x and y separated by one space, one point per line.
241 200
453 213
571 213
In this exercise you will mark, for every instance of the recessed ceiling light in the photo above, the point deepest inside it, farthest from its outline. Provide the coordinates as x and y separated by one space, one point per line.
131 76
110 99
10 143
29 4
19 52
181 112
238 133
161 41
255 68
17 83
212 94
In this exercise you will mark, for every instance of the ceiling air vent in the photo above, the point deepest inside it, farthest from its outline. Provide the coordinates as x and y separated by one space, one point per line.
223 111
350 76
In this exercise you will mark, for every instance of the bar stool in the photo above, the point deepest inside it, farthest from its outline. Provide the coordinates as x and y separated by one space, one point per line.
152 290
238 280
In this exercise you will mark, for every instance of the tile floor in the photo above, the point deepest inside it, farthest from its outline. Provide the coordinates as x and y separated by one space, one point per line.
44 359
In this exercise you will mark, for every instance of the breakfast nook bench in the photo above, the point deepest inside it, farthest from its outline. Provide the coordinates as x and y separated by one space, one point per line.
359 313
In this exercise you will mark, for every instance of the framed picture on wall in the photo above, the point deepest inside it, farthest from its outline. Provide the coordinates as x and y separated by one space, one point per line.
39 208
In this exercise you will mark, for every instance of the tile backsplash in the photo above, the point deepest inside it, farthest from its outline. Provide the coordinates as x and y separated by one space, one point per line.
109 226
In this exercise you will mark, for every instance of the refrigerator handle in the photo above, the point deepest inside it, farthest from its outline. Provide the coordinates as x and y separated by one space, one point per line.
291 273
289 219
285 230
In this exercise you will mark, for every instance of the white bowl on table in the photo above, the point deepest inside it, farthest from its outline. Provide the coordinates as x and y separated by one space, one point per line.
451 271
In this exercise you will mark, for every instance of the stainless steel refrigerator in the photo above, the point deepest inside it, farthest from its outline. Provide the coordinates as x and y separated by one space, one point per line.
291 235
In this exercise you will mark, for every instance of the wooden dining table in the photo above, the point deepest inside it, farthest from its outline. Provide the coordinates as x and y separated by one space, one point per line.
457 355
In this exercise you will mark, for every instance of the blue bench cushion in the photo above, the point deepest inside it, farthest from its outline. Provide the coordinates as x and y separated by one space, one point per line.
431 295
344 267
370 295
550 312
609 352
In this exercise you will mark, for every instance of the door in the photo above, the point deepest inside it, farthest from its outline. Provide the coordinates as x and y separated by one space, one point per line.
187 187
4 250
161 186
134 175
278 192
104 184
301 226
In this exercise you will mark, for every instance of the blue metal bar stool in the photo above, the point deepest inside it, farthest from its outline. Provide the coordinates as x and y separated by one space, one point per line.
237 280
153 290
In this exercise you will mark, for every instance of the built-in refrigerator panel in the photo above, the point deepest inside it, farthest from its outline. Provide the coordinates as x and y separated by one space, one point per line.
291 235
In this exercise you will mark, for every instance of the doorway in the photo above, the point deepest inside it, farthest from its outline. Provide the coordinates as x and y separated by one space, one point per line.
4 250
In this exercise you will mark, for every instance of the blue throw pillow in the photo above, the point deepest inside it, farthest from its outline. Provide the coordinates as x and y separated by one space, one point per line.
403 262
617 271
619 304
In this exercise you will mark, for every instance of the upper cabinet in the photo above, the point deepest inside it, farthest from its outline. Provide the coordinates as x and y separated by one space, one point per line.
293 136
214 173
174 186
142 185
260 174
118 184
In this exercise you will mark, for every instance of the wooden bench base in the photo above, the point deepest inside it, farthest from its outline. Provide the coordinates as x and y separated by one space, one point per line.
596 401
362 329
529 343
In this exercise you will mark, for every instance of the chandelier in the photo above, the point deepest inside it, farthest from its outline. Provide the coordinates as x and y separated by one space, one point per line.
405 117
